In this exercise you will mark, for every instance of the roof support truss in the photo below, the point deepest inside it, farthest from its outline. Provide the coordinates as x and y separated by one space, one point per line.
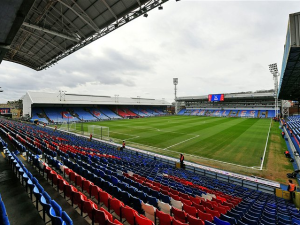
65 36
144 8
81 14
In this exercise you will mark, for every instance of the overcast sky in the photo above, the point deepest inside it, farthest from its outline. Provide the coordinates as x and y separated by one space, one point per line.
211 47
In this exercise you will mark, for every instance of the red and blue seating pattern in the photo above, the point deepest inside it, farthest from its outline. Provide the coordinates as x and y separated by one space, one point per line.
117 186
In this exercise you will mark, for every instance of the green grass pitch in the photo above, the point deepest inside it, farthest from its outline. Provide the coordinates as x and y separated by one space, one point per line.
234 140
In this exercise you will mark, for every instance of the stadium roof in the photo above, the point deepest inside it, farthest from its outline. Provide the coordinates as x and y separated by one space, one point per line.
62 98
289 84
39 33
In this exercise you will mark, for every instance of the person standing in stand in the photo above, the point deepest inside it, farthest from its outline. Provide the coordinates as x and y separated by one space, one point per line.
181 161
123 144
291 189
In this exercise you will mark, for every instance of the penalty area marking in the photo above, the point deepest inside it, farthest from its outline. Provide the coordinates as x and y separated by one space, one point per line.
181 142
133 136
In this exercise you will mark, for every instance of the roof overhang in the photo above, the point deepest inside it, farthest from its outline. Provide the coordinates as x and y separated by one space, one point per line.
12 16
289 84
54 29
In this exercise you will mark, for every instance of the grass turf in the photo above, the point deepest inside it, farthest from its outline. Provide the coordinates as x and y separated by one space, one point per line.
234 140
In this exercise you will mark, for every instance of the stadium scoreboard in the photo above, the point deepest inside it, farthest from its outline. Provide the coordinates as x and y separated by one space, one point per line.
216 98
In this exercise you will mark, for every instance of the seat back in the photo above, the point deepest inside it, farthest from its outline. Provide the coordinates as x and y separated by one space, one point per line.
164 219
149 211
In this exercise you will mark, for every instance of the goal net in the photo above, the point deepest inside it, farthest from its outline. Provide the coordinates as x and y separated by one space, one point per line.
99 132
71 127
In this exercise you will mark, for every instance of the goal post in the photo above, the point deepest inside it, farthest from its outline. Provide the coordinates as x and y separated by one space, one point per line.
99 132
71 127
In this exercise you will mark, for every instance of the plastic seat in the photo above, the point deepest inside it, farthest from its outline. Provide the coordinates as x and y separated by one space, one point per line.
78 180
163 218
149 211
208 223
164 207
125 197
194 221
56 219
177 222
179 215
152 201
99 217
217 221
190 210
234 215
136 204
213 212
141 220
249 221
229 219
176 204
66 218
77 199
165 198
205 216
104 198
115 222
207 205
86 185
116 205
128 214
199 207
220 209
68 191
46 204
141 195
88 207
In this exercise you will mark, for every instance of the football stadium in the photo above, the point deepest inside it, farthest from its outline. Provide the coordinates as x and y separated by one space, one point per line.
223 153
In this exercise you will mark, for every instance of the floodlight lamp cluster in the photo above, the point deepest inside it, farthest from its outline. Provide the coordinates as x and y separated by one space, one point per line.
273 68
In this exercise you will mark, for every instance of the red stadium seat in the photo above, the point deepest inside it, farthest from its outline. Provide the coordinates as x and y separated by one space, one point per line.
194 221
179 215
190 210
164 219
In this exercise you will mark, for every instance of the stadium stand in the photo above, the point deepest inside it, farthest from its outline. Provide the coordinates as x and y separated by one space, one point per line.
82 114
60 115
138 186
152 111
107 112
98 114
36 192
231 113
141 113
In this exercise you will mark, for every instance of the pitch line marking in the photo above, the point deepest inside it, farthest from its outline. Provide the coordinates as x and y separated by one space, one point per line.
182 142
196 156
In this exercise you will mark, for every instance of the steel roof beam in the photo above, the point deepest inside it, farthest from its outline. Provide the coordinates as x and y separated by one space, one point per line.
54 44
80 14
108 7
65 36
69 21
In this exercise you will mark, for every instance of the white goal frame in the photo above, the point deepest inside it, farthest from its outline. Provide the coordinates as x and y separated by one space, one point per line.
100 132
71 126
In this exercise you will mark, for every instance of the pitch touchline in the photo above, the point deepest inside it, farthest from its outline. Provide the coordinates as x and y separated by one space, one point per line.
182 142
